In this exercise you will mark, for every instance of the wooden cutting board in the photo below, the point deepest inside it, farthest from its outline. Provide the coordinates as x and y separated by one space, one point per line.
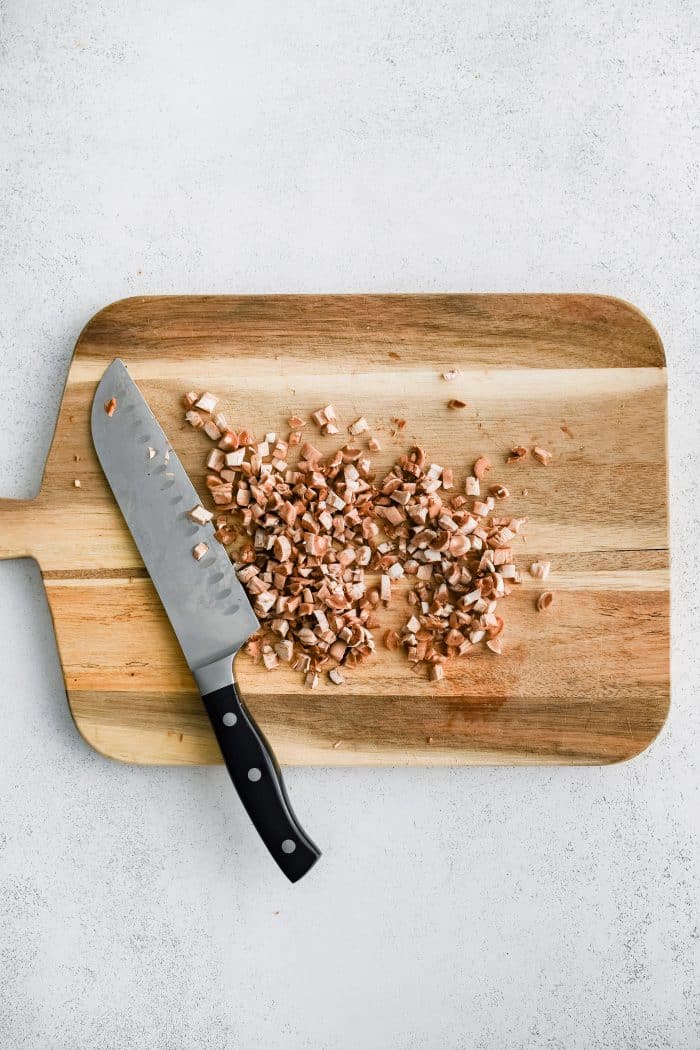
583 376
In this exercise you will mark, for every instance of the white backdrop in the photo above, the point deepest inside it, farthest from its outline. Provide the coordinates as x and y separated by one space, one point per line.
150 147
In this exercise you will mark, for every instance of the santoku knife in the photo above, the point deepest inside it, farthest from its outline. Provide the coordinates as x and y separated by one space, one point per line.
205 602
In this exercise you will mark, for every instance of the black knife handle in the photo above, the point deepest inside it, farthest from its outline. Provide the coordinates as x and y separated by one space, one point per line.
258 781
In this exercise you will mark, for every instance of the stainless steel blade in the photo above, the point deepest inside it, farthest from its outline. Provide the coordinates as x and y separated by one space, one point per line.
206 605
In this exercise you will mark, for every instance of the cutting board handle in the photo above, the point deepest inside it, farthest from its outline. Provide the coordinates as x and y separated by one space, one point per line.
19 528
258 781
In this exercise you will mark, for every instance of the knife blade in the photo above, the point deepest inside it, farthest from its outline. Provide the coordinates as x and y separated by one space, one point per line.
205 602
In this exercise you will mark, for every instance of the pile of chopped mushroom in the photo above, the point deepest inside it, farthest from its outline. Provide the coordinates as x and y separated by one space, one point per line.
321 546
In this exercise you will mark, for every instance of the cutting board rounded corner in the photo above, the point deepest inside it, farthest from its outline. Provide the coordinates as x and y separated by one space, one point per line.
625 306
105 311
658 730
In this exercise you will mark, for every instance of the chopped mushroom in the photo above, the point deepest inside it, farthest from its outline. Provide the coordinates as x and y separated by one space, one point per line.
541 455
199 551
482 467
517 453
200 515
540 569
207 402
456 403
336 677
317 540
111 406
76 483
359 426
194 419
499 492
544 601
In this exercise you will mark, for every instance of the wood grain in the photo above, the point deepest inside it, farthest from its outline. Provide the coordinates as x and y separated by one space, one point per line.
582 375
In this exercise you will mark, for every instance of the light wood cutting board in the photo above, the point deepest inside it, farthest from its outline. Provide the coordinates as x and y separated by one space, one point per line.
582 375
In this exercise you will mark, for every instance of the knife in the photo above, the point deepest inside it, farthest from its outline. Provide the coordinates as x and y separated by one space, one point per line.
204 600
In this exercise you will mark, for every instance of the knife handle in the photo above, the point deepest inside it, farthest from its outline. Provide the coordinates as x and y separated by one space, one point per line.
258 781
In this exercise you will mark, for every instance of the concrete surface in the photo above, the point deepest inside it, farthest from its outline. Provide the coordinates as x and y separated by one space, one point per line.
152 147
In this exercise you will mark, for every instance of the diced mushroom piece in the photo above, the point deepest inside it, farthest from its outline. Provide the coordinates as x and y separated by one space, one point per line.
541 455
194 419
296 422
436 672
495 645
472 487
450 374
481 467
391 640
216 459
311 680
517 453
336 677
235 458
76 483
269 659
310 452
200 515
190 399
211 430
385 588
499 491
284 650
360 426
456 403
544 601
540 569
151 452
282 548
373 445
207 402
199 551
111 406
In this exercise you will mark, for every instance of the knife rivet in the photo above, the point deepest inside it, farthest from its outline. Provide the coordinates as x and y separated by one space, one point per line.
288 846
254 774
229 719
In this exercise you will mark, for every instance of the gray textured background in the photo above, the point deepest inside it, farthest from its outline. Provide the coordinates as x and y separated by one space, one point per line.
151 147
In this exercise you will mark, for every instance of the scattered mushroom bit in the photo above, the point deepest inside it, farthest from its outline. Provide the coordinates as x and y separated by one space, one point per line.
111 406
540 569
199 551
200 515
450 374
517 453
321 544
541 455
544 601
456 403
